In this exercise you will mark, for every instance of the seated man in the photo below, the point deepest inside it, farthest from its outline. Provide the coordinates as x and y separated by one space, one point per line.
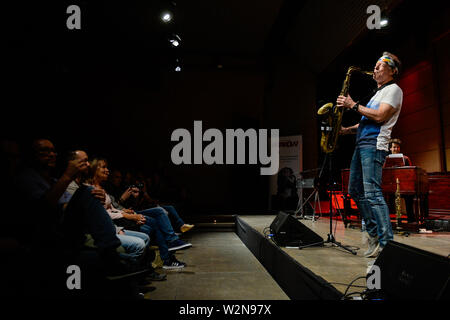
394 147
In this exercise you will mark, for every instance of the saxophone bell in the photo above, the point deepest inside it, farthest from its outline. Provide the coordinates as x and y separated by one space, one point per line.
326 108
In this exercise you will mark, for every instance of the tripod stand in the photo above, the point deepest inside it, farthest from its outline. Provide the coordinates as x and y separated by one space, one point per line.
330 237
301 209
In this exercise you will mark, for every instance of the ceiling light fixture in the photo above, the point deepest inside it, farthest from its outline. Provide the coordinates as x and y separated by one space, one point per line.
175 40
166 16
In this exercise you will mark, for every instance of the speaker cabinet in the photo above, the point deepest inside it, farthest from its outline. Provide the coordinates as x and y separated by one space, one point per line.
411 273
288 231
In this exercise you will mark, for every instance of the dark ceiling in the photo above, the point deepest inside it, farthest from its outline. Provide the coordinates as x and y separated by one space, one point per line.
130 35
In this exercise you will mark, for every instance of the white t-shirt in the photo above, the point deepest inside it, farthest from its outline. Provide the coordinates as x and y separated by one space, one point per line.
371 133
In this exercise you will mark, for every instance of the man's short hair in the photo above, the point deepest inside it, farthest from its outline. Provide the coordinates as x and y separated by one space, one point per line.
398 63
70 155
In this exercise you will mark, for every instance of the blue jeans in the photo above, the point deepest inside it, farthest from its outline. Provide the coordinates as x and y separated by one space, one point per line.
163 222
364 187
134 244
152 229
174 217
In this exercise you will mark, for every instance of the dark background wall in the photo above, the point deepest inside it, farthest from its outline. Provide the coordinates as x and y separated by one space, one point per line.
111 89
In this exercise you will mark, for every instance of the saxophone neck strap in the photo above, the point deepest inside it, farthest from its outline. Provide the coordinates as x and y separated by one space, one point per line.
384 85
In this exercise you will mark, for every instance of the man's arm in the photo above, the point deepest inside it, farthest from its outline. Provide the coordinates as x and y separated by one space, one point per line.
382 114
58 189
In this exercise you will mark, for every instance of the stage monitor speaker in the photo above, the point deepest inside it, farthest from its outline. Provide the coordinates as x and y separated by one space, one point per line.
411 273
288 231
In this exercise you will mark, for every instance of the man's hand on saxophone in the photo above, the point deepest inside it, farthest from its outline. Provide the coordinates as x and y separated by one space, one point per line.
345 101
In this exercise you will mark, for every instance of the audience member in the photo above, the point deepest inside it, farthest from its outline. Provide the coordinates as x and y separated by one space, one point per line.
133 242
57 228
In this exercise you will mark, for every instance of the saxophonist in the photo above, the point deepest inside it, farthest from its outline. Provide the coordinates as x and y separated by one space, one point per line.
372 142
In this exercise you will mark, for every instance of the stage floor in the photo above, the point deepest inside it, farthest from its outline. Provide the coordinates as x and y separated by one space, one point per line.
219 267
336 265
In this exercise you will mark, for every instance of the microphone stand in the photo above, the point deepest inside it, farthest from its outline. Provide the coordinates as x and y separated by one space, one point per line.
330 237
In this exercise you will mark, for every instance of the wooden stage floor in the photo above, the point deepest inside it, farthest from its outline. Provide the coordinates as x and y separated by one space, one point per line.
336 265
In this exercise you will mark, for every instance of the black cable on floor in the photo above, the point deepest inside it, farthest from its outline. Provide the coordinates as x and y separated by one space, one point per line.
348 287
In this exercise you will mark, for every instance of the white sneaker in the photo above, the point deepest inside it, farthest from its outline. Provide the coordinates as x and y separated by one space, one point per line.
173 263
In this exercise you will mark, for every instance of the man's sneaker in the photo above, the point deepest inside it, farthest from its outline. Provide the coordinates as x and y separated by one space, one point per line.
373 246
173 263
178 245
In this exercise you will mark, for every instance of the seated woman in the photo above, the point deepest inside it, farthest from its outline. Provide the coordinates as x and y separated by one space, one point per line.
158 224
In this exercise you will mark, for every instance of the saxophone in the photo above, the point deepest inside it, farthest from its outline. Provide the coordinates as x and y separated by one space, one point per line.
332 124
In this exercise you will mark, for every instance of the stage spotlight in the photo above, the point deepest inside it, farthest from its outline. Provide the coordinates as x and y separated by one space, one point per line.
175 40
166 16
177 65
384 23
